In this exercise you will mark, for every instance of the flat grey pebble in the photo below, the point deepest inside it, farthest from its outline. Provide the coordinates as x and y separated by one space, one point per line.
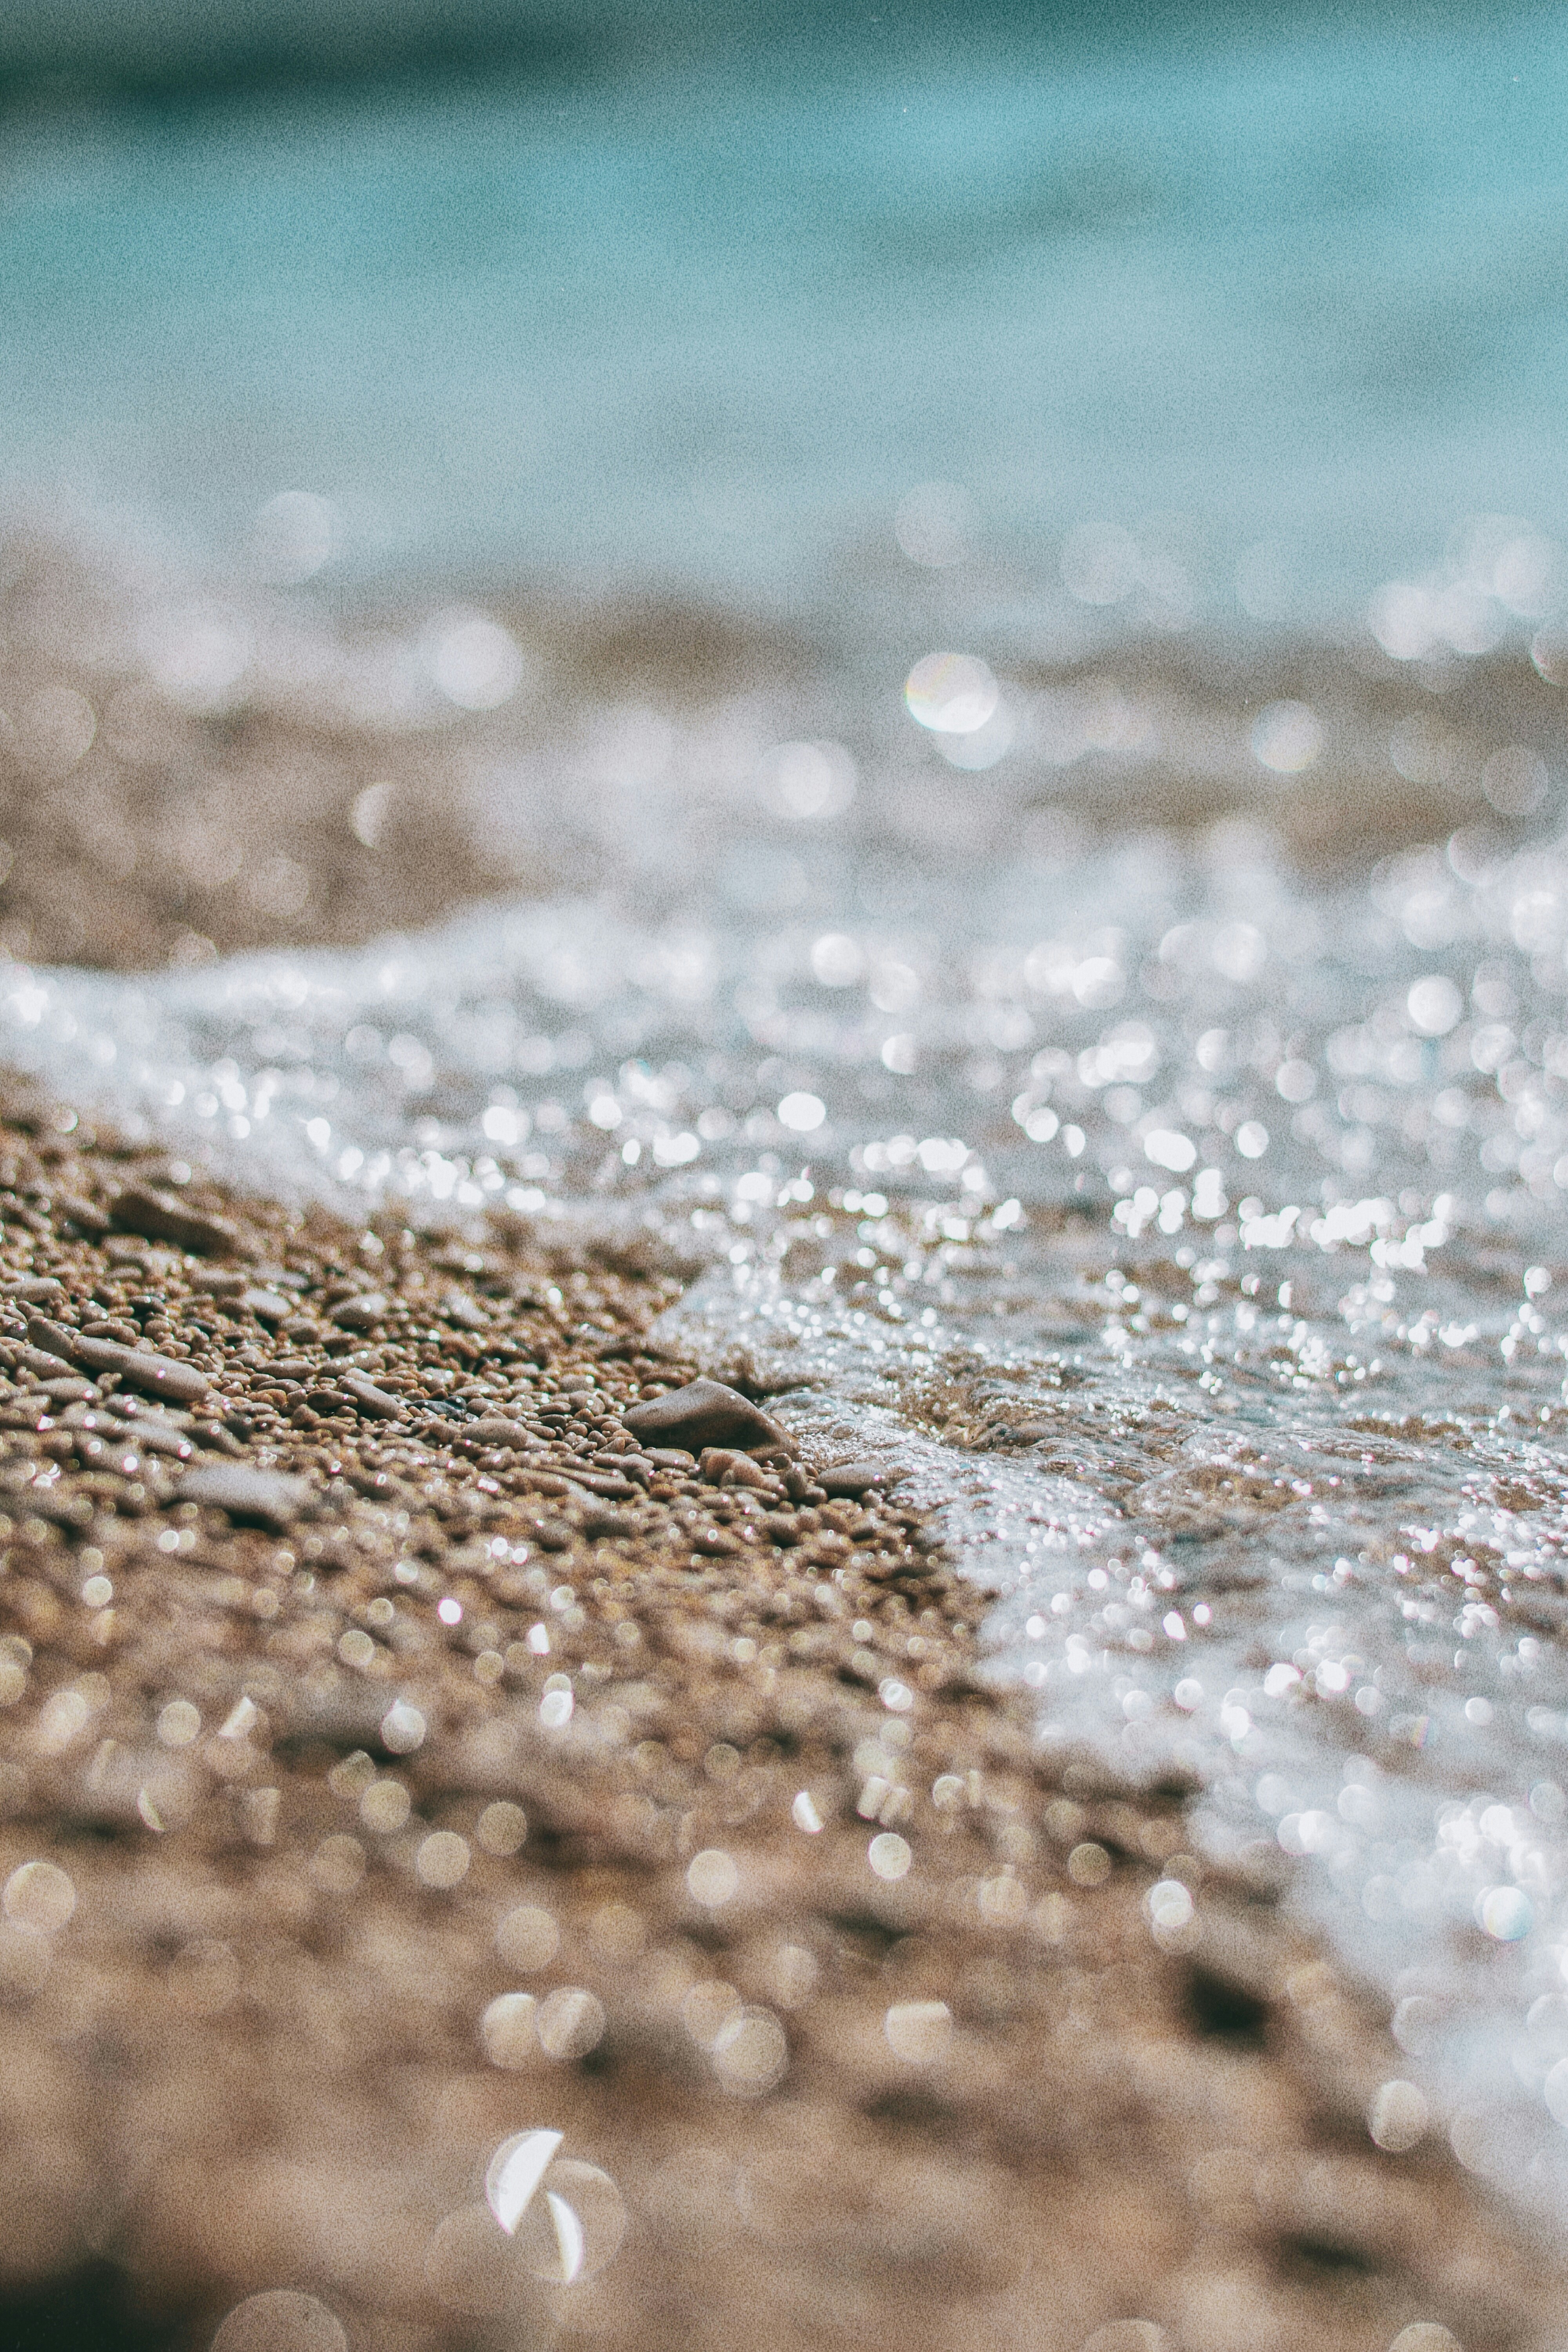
271 1496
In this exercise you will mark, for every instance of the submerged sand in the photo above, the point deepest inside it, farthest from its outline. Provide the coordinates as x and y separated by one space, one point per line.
191 769
476 1770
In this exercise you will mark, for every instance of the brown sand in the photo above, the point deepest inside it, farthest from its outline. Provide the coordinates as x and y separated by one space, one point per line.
320 1804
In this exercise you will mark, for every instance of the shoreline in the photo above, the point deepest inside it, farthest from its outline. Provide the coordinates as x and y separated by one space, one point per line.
192 767
917 2055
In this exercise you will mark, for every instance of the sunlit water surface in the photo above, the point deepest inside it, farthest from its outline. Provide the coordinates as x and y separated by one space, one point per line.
1190 1234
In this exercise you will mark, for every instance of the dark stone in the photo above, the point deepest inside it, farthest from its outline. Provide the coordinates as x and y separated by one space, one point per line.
267 1306
160 1217
598 1521
850 1480
457 1309
1225 2010
91 2309
493 1429
139 1367
82 1214
703 1413
150 1436
362 1313
374 1402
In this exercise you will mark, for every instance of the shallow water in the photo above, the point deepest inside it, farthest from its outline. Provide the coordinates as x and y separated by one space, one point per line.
1190 1231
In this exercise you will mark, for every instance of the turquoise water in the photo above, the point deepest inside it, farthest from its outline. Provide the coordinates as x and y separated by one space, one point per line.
1292 301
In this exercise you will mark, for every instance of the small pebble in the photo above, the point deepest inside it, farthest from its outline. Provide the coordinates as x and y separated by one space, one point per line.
269 1499
267 1306
371 1400
850 1480
142 1209
361 1314
705 1412
491 1429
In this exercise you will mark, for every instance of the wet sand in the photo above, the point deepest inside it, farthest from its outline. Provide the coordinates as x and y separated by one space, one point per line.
187 771
865 2004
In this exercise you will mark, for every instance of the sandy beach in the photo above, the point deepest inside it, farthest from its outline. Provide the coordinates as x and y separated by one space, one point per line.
783 1122
399 1756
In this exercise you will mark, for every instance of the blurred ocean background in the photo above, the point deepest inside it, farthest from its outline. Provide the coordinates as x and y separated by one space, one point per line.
1089 993
1243 313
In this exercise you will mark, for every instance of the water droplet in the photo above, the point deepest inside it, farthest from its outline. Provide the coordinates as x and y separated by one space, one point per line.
1089 1865
802 780
802 1114
1434 1005
1287 737
476 663
569 2022
507 2032
179 1723
890 1855
1505 1913
574 2227
38 1896
442 1859
402 1728
712 1878
528 1938
281 2320
919 2030
617 1931
707 2008
384 1807
1554 2090
792 1977
367 817
566 2217
1397 2117
1169 1906
501 1828
338 1865
953 694
749 2053
1100 563
293 536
